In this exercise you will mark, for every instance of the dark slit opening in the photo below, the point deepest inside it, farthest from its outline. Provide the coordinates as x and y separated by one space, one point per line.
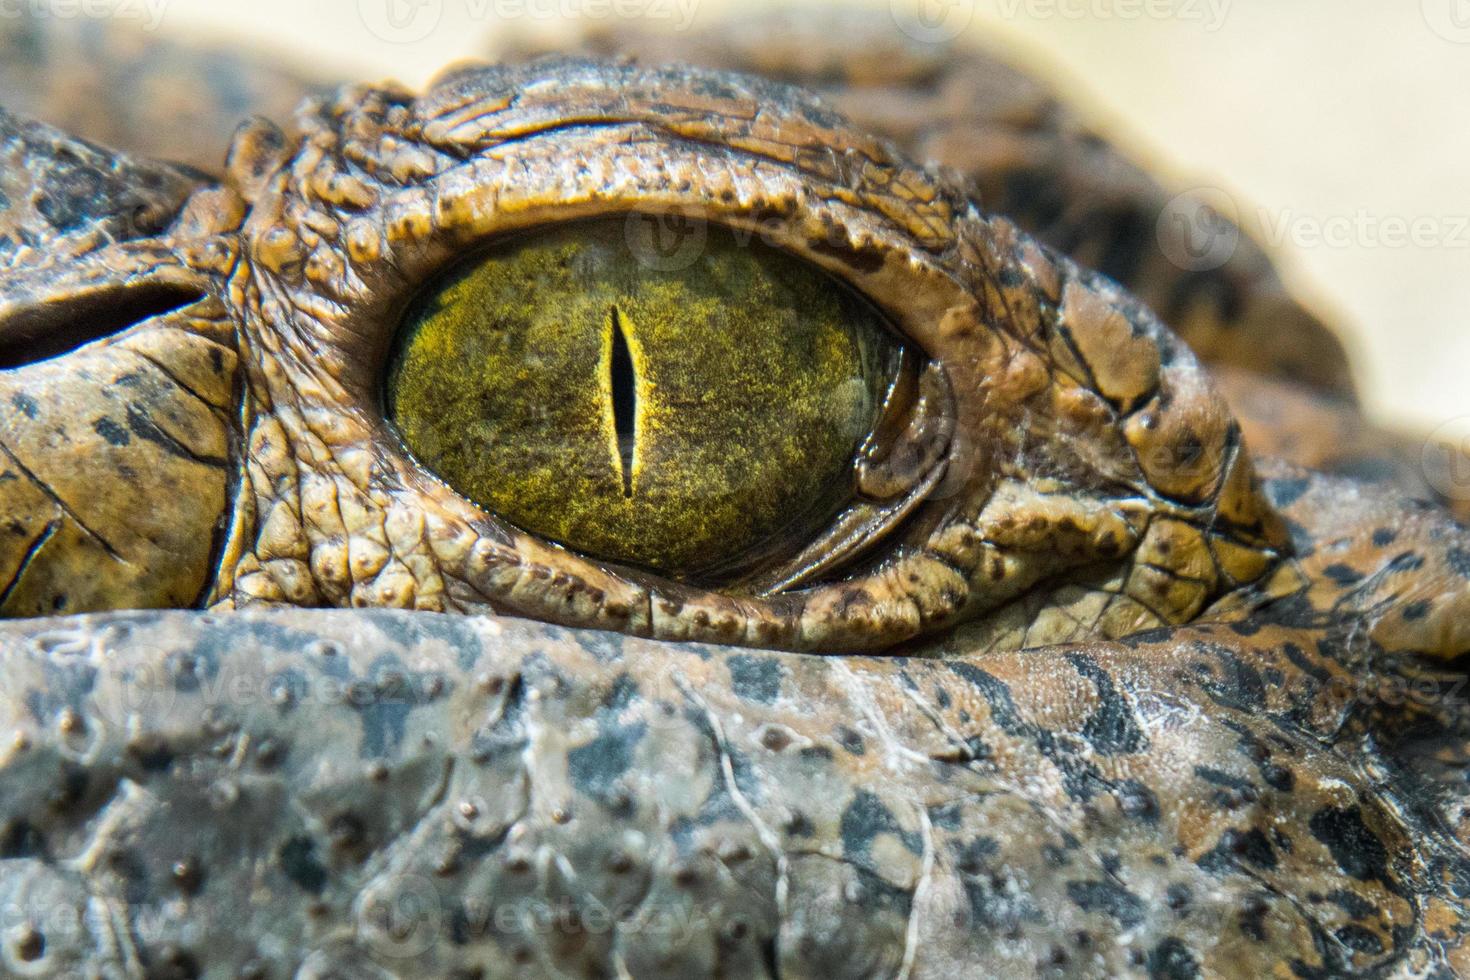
51 329
624 399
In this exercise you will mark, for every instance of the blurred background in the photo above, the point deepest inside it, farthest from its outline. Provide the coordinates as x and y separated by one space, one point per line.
1337 129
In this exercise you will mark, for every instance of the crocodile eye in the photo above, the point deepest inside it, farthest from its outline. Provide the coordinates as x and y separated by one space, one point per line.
696 416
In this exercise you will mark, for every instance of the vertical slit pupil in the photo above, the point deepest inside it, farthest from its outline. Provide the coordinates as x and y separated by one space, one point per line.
624 399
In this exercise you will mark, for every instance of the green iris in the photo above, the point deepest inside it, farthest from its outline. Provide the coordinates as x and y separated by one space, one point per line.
691 415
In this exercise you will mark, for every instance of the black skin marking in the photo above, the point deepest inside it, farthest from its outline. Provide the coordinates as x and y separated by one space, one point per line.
799 826
299 862
152 756
1356 849
1137 801
623 693
1002 708
1359 939
1189 449
384 721
1416 610
72 197
755 679
1236 790
1299 660
1108 897
865 819
596 766
1010 277
1172 960
1080 778
1248 846
850 740
995 902
1241 688
21 839
1055 856
1112 729
970 857
115 434
1253 918
1284 493
1273 775
606 647
145 428
945 816
189 670
24 404
1354 905
1404 562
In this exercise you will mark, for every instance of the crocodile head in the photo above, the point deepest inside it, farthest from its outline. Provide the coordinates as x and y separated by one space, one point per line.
1036 674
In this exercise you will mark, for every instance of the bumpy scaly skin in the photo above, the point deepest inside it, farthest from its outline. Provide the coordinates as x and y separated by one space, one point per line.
1025 155
1268 780
151 410
1030 158
1089 452
474 797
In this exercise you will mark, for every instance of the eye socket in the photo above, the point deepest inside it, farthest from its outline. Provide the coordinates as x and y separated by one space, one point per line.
700 416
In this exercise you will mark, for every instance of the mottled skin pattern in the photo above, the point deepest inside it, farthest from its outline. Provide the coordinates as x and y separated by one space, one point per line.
1112 700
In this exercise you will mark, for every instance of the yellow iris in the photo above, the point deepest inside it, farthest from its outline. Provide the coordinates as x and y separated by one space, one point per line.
691 417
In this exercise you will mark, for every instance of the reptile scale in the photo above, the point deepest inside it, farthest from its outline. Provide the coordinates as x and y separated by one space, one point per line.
715 506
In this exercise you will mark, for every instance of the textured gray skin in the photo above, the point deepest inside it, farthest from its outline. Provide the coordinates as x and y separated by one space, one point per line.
403 795
381 794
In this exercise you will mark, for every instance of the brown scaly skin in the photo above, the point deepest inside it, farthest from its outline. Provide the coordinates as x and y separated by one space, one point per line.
1140 712
1030 158
1023 153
